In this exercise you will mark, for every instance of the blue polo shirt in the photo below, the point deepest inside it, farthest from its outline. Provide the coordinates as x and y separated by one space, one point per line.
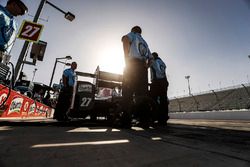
158 69
139 48
70 75
8 28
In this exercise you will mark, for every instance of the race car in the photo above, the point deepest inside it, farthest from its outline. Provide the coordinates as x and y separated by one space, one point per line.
97 100
102 100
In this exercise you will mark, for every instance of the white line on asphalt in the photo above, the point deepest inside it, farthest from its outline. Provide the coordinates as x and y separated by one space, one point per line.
81 143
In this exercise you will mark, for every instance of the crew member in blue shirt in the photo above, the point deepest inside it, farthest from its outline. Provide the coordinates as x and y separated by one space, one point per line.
65 96
159 88
8 25
137 56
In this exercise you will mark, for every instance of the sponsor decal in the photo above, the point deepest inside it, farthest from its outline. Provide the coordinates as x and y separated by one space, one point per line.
25 108
41 110
84 88
15 105
3 97
26 105
32 108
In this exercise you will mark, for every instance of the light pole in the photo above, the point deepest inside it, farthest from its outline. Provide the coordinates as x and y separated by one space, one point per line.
53 72
189 90
34 73
69 16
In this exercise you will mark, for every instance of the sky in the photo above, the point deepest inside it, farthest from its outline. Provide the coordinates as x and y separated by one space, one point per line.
209 40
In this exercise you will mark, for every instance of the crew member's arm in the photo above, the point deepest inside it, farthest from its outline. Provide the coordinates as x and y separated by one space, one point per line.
149 62
2 37
65 81
7 31
126 47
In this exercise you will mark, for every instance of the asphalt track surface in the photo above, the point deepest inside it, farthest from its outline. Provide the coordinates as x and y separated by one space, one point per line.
182 143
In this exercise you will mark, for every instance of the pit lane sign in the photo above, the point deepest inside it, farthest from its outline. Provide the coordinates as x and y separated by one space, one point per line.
30 31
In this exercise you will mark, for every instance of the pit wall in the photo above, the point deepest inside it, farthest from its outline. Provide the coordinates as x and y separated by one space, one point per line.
21 106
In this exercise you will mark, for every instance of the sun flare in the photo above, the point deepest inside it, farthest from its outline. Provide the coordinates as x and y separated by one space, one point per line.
111 59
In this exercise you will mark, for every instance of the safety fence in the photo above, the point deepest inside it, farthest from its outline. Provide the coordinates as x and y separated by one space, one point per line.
232 98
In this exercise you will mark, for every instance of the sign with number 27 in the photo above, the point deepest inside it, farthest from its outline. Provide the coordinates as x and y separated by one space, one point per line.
30 31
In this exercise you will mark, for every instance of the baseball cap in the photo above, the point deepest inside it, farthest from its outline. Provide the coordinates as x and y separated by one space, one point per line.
22 6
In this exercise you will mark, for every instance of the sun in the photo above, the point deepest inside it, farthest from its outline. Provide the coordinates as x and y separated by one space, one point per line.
112 59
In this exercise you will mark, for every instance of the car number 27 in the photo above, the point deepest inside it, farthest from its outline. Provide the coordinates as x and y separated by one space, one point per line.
85 101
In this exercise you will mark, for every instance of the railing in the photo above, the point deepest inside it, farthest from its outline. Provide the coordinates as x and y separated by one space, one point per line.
209 91
233 97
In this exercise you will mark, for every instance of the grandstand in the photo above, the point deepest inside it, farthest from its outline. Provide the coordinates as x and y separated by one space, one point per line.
232 98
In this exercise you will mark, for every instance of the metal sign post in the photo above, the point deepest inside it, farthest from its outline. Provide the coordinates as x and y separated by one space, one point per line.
26 43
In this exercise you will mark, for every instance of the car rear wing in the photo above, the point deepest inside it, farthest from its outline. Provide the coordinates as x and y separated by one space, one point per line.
103 79
107 79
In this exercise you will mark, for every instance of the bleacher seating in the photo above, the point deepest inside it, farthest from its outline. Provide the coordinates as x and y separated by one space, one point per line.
228 99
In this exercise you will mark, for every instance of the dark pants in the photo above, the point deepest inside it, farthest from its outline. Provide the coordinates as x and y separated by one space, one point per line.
135 79
135 83
63 103
158 92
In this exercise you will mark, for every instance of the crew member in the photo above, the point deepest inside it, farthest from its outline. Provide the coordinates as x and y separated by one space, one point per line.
135 76
159 88
8 25
65 96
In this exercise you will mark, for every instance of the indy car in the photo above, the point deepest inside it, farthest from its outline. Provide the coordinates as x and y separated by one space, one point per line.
96 100
102 100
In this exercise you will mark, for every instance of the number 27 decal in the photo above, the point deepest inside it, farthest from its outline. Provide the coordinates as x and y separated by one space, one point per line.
85 102
30 31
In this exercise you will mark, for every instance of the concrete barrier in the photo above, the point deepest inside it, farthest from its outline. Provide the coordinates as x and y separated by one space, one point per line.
215 115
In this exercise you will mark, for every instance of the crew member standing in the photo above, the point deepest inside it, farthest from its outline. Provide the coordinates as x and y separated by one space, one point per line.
8 25
159 88
135 77
65 96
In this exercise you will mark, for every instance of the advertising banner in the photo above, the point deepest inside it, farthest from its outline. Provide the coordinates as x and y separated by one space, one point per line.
21 106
